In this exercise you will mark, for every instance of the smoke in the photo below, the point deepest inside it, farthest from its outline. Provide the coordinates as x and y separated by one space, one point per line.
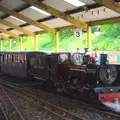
115 106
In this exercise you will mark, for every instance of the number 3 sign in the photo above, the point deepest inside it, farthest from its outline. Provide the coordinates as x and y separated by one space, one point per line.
77 33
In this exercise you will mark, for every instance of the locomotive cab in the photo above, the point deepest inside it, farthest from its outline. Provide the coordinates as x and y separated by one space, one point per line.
39 67
59 63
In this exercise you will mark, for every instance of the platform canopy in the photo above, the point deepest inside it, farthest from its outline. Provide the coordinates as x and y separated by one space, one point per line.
30 17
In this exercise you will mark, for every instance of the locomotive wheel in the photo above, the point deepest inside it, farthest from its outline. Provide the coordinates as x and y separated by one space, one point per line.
31 78
92 95
58 86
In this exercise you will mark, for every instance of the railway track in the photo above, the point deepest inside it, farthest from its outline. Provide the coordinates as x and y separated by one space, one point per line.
3 115
52 109
12 113
101 110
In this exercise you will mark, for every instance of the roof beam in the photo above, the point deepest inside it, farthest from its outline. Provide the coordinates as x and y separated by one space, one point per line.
78 23
27 32
10 33
110 4
28 20
105 21
66 28
4 37
79 9
18 9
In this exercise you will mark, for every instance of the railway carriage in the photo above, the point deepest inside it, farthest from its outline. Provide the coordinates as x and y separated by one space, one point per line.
18 64
14 63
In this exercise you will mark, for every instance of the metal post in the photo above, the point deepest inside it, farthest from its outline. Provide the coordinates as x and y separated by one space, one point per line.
21 44
35 43
89 38
57 41
0 44
10 44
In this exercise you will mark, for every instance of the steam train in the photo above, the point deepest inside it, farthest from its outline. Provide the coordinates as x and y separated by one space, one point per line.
65 73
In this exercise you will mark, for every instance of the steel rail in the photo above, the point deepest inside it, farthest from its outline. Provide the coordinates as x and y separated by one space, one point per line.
18 115
4 113
84 105
58 112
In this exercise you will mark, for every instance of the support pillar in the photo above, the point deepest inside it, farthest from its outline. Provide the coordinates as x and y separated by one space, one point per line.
35 43
0 44
21 44
57 41
10 44
89 38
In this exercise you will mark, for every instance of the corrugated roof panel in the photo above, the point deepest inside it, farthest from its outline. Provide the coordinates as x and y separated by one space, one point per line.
59 4
4 26
14 21
96 14
4 34
63 5
11 4
58 22
32 28
88 2
29 12
17 32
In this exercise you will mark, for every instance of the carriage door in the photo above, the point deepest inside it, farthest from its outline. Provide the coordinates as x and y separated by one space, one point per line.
39 67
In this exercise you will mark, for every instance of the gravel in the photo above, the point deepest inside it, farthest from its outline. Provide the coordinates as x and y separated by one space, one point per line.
28 111
67 104
71 106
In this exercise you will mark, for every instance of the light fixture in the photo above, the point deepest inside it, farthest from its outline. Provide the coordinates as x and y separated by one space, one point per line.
41 38
17 19
97 32
104 10
98 12
14 41
92 12
76 3
39 10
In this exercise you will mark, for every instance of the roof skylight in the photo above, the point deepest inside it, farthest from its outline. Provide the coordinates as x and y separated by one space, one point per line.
76 3
17 19
41 11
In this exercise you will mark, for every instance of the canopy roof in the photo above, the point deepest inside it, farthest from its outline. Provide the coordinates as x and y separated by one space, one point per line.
35 20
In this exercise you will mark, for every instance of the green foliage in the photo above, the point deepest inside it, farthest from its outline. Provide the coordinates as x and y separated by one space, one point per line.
108 39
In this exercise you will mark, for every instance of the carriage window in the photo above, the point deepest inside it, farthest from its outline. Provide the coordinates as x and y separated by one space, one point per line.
7 58
38 60
33 61
3 58
19 58
15 58
24 58
12 58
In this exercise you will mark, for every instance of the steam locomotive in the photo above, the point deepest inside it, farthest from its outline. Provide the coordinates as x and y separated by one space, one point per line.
65 73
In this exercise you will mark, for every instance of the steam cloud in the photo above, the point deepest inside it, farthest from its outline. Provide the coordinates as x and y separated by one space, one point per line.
115 106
